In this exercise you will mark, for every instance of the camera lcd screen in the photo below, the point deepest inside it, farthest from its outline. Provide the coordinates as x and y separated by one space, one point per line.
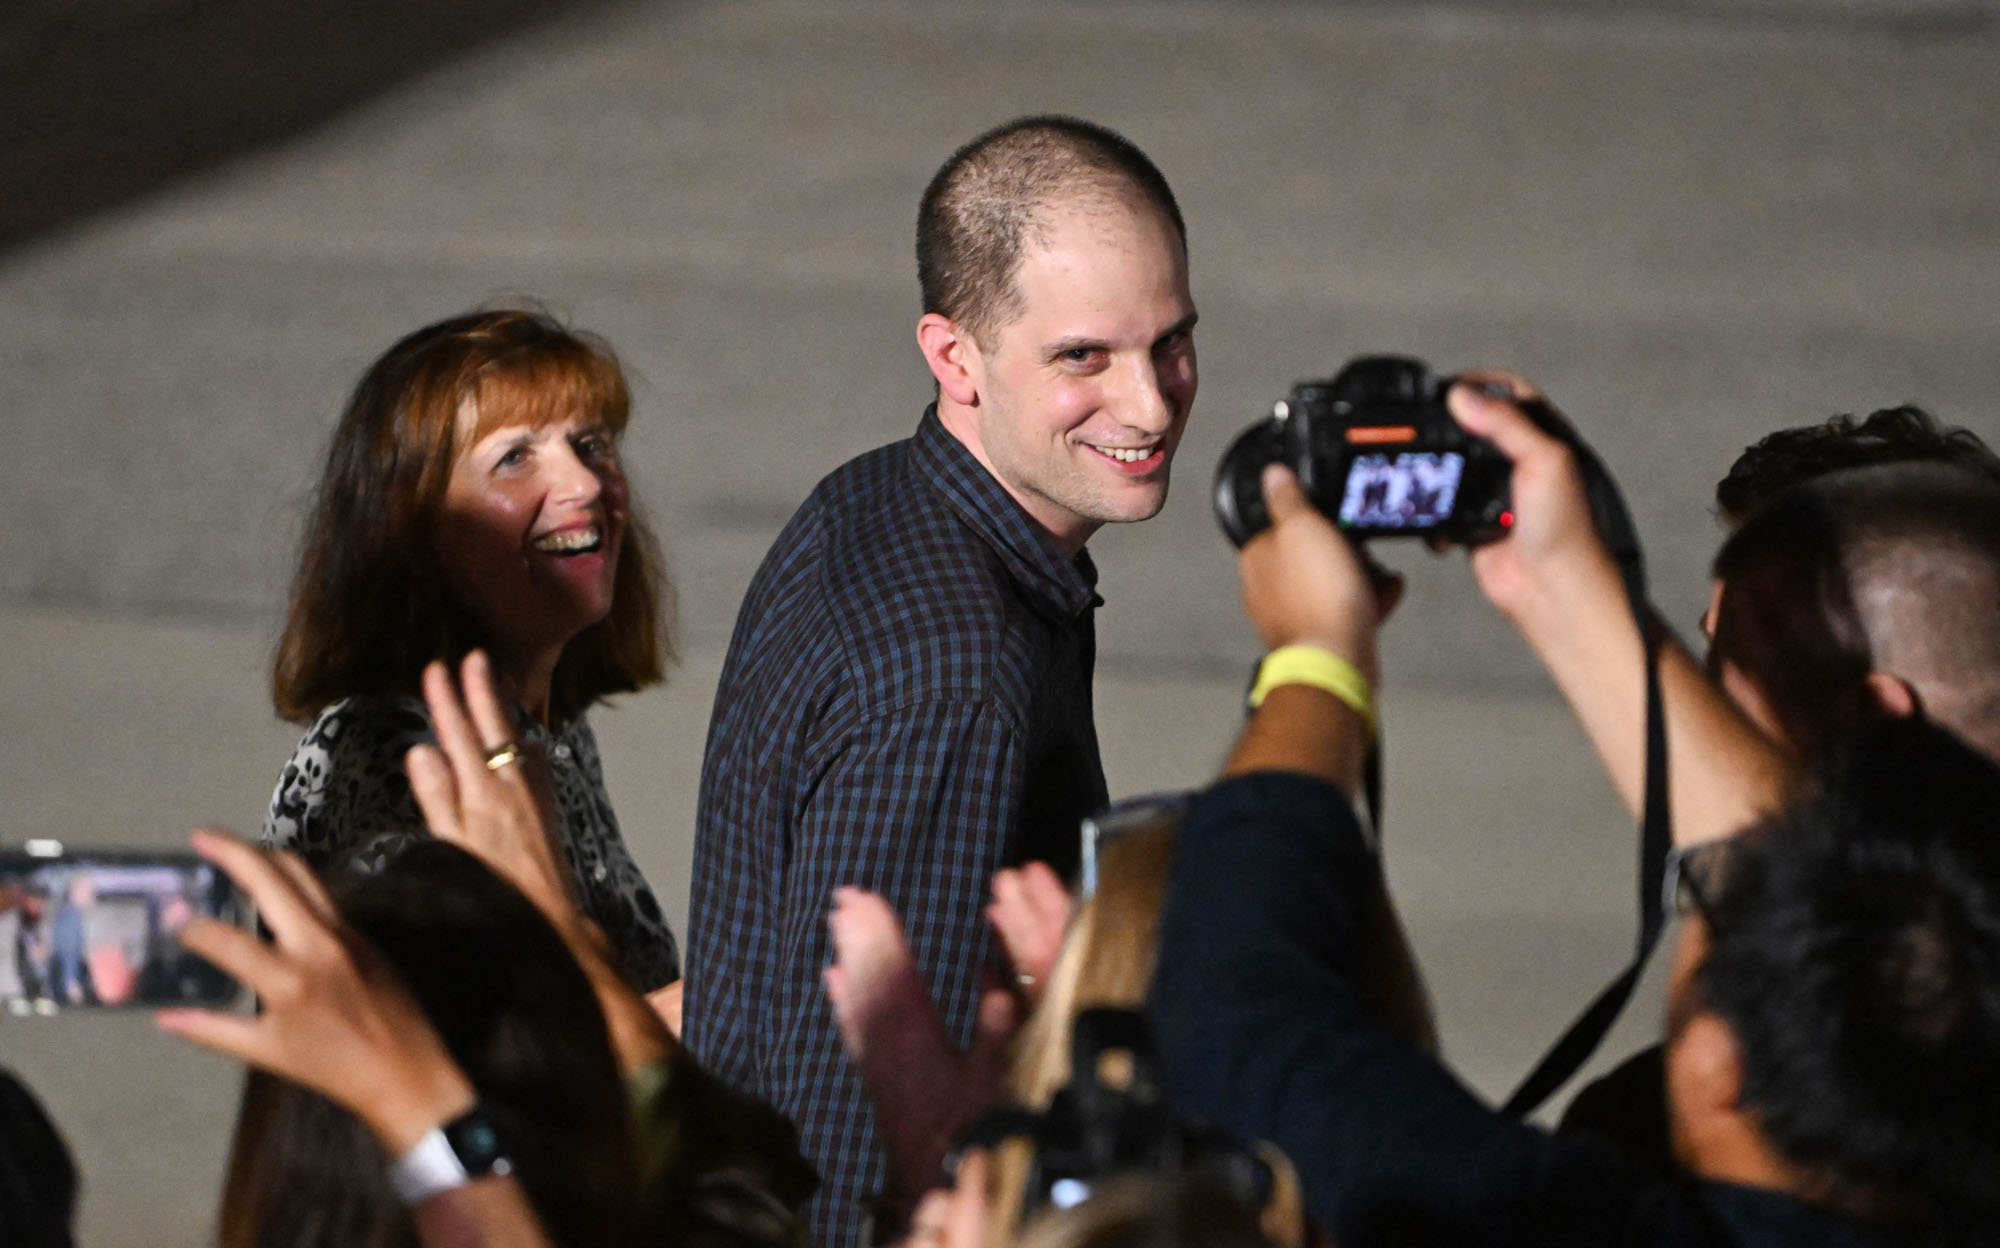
1406 490
99 930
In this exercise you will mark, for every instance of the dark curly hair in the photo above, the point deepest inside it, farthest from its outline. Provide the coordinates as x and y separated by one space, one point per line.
1892 435
1854 950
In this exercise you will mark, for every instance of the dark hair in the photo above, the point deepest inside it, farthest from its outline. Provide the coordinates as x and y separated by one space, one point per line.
38 1180
518 1016
985 205
1889 436
1893 568
369 605
1787 620
1854 950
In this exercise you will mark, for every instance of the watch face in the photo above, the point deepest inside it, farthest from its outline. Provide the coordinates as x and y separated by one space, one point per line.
473 1137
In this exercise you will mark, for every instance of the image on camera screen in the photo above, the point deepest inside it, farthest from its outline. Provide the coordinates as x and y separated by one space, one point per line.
1408 490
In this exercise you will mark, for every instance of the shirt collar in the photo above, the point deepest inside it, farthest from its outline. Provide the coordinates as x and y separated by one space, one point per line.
1031 555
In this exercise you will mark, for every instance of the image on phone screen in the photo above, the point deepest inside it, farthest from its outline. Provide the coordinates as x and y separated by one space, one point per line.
99 930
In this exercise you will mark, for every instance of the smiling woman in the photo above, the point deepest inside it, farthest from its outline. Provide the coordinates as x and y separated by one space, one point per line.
473 497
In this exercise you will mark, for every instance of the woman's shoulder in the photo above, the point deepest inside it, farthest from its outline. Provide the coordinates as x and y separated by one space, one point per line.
368 721
344 783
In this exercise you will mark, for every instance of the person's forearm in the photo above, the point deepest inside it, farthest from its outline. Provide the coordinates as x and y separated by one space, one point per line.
638 1035
491 1212
1261 1006
1304 729
1724 773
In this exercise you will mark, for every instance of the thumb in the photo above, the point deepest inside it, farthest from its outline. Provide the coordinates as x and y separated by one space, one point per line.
1477 405
1283 496
999 1017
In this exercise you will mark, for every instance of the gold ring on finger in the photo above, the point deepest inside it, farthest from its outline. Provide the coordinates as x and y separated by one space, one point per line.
502 754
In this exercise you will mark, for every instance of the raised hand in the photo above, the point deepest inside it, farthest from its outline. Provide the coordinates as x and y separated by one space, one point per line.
480 789
1553 551
335 1017
923 1088
1305 583
1030 912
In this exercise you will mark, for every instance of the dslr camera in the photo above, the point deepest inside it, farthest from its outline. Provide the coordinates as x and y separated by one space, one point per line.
1093 1130
1375 450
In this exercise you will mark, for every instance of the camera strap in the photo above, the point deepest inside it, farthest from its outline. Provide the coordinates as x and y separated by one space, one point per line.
1614 525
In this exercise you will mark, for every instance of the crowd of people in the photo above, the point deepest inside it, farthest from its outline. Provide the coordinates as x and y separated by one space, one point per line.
920 1005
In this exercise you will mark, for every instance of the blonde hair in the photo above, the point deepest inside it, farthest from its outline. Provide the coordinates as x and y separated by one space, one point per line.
1107 959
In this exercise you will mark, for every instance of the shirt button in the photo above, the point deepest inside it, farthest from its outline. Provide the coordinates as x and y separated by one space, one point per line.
561 751
599 872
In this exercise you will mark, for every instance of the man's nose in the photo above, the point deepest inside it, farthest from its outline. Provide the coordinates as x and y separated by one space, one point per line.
1148 403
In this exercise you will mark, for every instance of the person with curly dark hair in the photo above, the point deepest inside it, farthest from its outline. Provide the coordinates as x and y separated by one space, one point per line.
1892 435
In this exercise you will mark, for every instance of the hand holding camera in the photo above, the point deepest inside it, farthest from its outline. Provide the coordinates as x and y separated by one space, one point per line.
1303 583
1385 448
1553 556
1376 450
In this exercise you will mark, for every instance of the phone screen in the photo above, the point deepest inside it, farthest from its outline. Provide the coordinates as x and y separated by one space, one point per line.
1405 490
98 929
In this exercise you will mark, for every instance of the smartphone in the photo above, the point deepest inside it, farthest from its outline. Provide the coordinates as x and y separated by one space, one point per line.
86 928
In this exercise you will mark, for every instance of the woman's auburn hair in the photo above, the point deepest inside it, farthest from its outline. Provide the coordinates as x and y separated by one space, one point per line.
369 605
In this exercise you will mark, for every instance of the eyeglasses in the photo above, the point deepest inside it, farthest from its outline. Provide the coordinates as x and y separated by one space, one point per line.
1693 877
1101 830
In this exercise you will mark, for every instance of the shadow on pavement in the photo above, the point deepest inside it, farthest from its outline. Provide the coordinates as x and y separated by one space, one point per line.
103 100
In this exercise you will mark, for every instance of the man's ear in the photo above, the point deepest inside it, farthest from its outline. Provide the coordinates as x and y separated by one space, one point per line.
1892 695
1715 1137
1710 1066
953 357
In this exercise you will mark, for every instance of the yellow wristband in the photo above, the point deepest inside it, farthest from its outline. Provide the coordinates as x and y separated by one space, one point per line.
1322 669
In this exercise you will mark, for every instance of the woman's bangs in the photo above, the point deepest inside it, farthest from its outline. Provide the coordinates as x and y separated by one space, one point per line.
546 388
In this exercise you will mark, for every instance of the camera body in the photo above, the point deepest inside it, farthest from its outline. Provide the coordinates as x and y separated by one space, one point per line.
1376 451
1094 1129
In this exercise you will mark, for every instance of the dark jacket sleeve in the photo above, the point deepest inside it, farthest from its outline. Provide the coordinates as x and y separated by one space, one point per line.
1264 1030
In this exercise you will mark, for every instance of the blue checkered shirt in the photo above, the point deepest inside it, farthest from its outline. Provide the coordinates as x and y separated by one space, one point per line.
905 708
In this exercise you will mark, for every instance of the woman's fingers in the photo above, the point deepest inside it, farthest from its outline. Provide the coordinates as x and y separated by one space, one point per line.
240 1036
1030 912
457 738
312 892
235 952
488 716
291 915
436 790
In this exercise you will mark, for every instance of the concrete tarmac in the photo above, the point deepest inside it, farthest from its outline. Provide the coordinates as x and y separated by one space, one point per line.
1692 222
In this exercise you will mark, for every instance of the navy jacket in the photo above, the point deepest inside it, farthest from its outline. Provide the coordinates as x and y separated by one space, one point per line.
1263 1030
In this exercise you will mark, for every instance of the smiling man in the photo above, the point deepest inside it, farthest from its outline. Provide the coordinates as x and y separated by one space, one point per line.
906 705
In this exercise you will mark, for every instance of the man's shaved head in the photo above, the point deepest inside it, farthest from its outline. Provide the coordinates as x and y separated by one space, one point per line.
986 207
1892 569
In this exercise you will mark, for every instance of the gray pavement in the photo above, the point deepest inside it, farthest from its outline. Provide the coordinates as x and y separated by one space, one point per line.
1691 221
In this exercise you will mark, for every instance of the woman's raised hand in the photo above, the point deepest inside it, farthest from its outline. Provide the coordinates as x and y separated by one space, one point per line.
335 1017
481 789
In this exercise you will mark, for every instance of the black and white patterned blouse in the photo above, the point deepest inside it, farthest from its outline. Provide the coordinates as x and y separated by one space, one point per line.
343 800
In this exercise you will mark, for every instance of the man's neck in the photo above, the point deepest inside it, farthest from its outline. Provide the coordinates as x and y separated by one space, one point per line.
962 423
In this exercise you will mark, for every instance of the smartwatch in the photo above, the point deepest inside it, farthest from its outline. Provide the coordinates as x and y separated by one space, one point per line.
450 1156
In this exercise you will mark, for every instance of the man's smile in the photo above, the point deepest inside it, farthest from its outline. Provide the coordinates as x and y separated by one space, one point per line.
1132 457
